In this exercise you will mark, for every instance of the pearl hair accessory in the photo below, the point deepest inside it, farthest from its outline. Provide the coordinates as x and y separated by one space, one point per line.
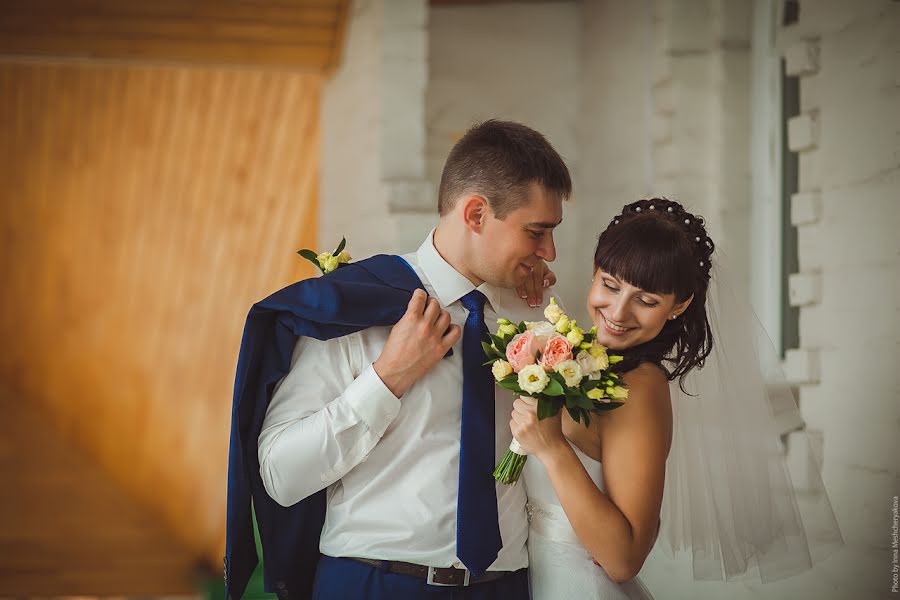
638 209
697 238
687 221
701 263
670 209
652 207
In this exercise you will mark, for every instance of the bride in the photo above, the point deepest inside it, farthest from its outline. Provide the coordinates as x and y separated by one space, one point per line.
595 494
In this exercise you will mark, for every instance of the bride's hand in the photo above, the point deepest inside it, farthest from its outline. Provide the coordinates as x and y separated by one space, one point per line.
536 437
532 291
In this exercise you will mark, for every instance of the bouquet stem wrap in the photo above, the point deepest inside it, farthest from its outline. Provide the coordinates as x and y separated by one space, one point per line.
510 467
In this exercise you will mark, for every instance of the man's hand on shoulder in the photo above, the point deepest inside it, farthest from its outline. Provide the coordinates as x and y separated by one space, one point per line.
416 343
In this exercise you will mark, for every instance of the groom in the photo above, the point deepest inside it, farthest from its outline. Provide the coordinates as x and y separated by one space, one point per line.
402 426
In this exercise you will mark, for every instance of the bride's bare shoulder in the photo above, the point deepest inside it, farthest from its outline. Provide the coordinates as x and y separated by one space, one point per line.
647 378
647 409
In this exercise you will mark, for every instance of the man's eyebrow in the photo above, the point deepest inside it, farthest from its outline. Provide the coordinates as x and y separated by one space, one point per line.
543 224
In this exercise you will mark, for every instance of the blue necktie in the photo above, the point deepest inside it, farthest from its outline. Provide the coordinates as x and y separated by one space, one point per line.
477 526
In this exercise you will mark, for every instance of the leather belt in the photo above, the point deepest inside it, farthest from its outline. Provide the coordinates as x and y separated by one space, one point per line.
441 576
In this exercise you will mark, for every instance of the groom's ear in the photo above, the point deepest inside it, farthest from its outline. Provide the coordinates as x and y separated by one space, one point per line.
475 210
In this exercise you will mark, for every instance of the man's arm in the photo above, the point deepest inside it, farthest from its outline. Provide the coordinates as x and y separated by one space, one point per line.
323 421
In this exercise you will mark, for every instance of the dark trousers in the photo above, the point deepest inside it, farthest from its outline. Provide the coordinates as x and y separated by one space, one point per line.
347 579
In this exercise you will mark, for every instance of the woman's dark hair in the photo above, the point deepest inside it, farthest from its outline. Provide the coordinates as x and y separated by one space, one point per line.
656 245
500 160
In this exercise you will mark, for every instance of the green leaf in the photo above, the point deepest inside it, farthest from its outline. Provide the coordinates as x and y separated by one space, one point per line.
309 255
341 246
575 392
521 326
487 349
605 406
546 408
585 403
510 385
498 341
589 384
586 417
553 388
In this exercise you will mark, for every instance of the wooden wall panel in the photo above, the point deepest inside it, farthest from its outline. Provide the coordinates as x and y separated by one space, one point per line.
299 34
143 211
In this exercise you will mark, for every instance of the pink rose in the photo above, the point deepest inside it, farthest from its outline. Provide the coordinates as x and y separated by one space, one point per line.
558 349
521 350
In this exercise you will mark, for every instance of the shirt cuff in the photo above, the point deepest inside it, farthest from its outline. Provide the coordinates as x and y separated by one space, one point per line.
372 401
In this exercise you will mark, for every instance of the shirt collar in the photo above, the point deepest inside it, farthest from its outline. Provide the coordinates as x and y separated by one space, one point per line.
449 284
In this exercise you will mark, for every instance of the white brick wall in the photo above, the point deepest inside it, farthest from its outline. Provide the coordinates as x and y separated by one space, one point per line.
653 98
517 62
850 176
698 127
618 133
350 169
373 187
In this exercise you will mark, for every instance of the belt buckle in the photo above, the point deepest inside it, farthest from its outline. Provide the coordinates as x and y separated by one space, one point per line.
430 578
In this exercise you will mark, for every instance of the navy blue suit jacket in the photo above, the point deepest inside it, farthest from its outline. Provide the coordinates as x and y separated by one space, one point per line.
371 292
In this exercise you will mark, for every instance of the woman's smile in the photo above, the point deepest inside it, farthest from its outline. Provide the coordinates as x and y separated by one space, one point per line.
614 329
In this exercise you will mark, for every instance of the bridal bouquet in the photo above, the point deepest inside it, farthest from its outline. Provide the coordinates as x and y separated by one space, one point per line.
557 363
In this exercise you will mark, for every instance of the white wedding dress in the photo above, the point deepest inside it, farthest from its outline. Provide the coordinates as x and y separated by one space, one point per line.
559 566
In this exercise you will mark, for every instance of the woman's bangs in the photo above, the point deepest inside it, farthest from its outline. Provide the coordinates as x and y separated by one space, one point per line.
643 255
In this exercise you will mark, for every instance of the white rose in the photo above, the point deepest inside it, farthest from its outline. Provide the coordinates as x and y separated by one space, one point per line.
507 329
501 369
542 331
589 365
553 311
571 372
597 394
328 262
598 351
575 335
617 392
533 379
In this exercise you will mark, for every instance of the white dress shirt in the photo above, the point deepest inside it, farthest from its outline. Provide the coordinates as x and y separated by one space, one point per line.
390 466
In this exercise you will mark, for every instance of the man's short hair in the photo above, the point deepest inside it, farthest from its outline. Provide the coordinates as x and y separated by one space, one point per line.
500 160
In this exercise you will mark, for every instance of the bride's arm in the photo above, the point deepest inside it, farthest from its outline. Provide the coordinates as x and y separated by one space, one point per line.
618 527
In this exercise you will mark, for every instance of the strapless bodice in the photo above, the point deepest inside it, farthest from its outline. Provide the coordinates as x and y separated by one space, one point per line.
538 485
559 565
545 515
